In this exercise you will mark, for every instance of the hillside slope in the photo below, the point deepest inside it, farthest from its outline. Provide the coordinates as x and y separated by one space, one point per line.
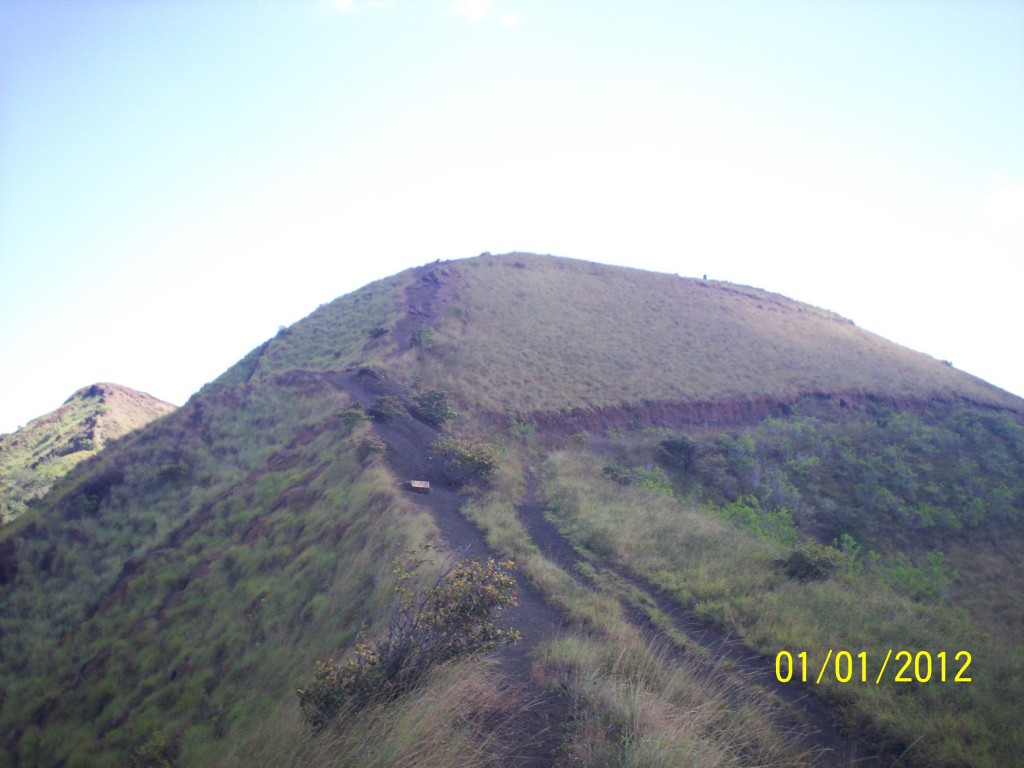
168 596
46 448
544 334
539 334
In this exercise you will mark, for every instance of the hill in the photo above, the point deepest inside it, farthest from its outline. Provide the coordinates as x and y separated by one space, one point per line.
46 448
693 478
545 334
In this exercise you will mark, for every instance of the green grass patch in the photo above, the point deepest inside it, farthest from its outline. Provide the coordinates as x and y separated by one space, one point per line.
740 581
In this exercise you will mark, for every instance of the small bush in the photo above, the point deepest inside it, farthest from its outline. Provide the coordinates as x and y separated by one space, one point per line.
351 415
371 445
452 618
523 431
387 407
680 452
652 479
179 470
423 338
476 458
616 474
157 752
930 580
811 561
773 524
435 406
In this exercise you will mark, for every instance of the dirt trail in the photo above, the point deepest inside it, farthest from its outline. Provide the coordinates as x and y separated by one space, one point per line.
539 735
426 298
534 739
804 713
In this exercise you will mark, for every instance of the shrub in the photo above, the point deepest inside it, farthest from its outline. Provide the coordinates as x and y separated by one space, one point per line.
179 470
616 474
423 338
452 618
811 561
476 458
157 752
523 431
930 580
773 524
652 479
387 407
680 451
351 415
369 446
435 406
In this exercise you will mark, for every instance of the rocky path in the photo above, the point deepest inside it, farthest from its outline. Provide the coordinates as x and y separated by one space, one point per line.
745 672
535 739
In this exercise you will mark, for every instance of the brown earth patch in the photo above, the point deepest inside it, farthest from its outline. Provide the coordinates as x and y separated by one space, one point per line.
431 292
704 416
535 738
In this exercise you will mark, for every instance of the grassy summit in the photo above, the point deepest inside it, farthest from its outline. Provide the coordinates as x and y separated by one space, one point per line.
542 333
46 448
162 604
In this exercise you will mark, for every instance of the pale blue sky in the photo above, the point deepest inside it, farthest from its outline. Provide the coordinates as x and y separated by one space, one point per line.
178 178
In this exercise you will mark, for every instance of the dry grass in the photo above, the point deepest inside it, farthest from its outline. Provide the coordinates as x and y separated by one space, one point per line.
539 333
454 721
635 707
638 708
734 580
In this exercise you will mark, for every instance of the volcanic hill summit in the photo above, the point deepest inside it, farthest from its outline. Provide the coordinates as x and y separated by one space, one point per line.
45 449
608 430
548 335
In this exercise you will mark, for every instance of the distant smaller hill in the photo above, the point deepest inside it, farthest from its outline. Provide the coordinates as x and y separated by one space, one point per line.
44 450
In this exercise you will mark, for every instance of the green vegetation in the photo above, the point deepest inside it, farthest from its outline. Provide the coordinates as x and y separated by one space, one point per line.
190 609
388 408
891 479
423 338
633 704
635 707
435 406
808 597
452 618
44 450
476 458
371 445
653 479
556 333
453 720
163 603
494 513
811 561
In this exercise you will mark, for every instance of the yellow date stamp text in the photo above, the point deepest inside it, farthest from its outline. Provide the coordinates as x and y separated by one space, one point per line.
862 667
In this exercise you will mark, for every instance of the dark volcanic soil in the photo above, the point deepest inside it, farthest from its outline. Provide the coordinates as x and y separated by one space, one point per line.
804 714
537 737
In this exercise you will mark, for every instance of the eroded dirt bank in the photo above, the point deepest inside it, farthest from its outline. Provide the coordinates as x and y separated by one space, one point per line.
701 416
